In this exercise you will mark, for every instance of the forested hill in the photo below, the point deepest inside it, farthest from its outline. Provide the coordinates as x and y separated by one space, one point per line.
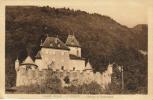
103 40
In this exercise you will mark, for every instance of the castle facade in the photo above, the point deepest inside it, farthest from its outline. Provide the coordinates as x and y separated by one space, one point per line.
57 55
63 58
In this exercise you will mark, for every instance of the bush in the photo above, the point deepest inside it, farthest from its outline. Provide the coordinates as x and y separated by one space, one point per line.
92 88
51 85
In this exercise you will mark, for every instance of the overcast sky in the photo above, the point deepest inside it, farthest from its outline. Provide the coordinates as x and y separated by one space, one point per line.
129 12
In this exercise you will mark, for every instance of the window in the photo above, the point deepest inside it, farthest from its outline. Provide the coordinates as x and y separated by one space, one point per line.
67 80
73 68
62 68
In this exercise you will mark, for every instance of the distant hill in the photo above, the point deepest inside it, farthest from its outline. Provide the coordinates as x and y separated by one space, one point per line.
103 40
140 34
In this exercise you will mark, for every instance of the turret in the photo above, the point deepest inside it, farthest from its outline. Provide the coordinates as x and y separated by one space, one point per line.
17 64
73 44
88 67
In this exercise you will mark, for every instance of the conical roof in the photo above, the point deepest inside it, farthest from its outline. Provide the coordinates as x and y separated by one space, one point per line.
38 56
17 59
72 41
28 60
88 66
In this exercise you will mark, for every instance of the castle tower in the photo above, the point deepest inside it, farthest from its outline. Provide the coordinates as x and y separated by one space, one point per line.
28 60
17 64
88 67
73 44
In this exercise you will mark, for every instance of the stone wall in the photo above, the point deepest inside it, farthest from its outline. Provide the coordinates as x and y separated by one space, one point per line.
59 57
75 51
27 77
77 64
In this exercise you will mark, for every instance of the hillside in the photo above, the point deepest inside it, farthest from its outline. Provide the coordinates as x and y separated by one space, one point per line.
140 31
103 40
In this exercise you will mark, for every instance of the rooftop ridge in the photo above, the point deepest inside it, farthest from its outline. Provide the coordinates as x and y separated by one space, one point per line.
54 42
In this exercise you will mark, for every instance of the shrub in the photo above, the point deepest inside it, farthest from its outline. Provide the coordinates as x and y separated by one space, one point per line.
51 85
92 88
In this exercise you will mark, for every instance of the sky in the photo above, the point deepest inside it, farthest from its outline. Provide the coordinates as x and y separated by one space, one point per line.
129 12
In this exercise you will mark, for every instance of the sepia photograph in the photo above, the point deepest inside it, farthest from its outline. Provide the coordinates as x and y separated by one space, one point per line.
76 50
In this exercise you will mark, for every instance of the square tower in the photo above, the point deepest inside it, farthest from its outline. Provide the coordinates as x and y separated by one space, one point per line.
74 45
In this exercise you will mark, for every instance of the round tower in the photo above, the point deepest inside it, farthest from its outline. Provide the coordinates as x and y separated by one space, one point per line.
17 64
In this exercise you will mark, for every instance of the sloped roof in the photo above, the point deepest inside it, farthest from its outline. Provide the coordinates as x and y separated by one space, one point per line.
88 66
72 41
76 57
38 56
54 42
28 60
